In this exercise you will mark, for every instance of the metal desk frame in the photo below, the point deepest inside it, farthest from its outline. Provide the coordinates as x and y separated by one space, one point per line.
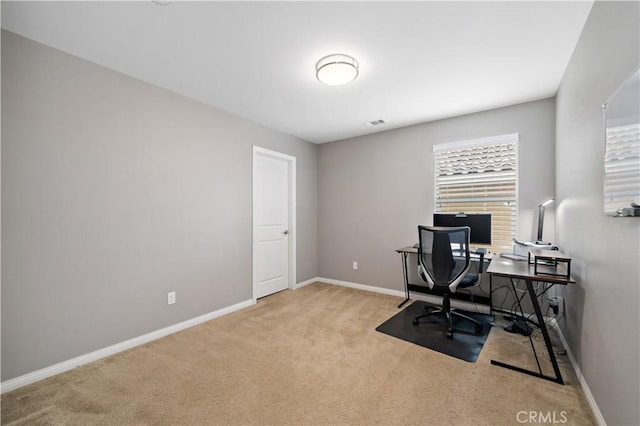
405 252
513 270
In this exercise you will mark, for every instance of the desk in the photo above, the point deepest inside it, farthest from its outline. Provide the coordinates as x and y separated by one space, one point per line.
406 251
518 269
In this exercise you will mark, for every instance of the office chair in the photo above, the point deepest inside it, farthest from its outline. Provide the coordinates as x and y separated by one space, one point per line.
444 262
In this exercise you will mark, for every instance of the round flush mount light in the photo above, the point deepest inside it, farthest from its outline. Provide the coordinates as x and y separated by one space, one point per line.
336 69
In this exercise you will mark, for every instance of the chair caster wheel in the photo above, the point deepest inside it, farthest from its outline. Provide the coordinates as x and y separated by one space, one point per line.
415 321
449 334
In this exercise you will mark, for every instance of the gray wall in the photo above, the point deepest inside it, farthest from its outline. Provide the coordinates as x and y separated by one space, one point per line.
374 190
115 192
603 308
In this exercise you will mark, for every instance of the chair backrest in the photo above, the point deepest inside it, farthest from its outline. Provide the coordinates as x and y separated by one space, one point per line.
443 255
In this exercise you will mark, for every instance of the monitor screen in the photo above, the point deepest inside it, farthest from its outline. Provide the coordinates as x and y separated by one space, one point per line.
480 224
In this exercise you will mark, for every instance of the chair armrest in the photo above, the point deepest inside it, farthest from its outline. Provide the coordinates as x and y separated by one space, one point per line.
481 252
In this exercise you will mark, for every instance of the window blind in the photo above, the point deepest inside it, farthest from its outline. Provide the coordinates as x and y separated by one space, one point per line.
480 177
622 166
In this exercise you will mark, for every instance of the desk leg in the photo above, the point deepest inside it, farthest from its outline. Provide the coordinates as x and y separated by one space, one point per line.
545 332
405 275
547 341
490 294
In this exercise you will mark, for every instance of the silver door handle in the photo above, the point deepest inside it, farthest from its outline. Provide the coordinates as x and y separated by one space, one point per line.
285 232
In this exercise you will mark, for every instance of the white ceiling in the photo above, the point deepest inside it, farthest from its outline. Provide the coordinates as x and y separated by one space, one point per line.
419 61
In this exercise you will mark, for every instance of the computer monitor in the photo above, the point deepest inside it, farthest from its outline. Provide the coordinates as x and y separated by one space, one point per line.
480 224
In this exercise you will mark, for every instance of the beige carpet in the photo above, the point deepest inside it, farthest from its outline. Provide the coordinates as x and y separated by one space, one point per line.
310 356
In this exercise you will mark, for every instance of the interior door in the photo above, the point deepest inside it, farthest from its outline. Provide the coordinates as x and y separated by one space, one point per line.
271 224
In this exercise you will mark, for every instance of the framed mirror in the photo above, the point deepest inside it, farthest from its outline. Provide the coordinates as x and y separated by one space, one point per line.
621 182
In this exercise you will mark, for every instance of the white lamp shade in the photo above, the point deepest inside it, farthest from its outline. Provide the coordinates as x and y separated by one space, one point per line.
336 70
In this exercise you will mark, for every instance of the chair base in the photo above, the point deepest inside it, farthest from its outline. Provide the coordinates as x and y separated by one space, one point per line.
449 313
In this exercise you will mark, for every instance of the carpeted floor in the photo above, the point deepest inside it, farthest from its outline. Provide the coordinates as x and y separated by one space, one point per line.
309 356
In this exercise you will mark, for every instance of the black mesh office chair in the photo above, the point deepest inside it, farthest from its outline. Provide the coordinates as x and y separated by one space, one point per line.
444 262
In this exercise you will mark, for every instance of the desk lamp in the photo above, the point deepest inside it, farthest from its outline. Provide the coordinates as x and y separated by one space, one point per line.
541 209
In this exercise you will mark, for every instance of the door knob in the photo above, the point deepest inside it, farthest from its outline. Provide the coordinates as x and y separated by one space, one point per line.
285 232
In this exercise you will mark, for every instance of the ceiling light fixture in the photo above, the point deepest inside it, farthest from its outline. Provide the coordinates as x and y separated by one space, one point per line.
336 69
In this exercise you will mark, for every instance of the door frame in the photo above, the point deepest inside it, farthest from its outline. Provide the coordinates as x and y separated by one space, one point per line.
291 165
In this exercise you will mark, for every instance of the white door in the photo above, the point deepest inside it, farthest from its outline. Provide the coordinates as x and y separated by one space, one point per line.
273 175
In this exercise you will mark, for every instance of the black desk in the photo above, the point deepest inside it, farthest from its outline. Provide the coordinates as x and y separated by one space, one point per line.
549 275
406 251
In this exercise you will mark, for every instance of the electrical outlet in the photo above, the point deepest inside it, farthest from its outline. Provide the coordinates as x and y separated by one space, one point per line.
355 265
171 298
556 304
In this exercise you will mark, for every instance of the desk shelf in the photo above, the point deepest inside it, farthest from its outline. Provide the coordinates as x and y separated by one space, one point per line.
550 262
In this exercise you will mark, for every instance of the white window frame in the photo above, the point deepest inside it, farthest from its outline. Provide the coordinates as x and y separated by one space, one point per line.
438 149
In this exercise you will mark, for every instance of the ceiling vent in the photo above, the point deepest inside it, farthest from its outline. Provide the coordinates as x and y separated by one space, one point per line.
375 123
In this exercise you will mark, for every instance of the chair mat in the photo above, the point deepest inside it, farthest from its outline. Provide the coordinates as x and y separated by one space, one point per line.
431 332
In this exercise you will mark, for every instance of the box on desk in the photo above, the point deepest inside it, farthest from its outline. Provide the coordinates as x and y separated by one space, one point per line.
522 248
550 262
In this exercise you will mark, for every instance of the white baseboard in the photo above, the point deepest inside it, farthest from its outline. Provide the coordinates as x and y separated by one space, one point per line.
364 287
460 304
70 364
597 414
304 283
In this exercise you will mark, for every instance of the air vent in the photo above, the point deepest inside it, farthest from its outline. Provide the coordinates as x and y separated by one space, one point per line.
375 123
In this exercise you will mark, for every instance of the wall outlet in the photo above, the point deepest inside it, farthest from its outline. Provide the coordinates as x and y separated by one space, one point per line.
355 265
556 304
171 298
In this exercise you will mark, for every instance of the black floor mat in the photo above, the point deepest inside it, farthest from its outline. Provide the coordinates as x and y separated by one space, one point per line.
431 332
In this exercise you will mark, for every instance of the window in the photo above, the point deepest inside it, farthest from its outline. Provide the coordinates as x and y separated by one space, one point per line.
480 176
